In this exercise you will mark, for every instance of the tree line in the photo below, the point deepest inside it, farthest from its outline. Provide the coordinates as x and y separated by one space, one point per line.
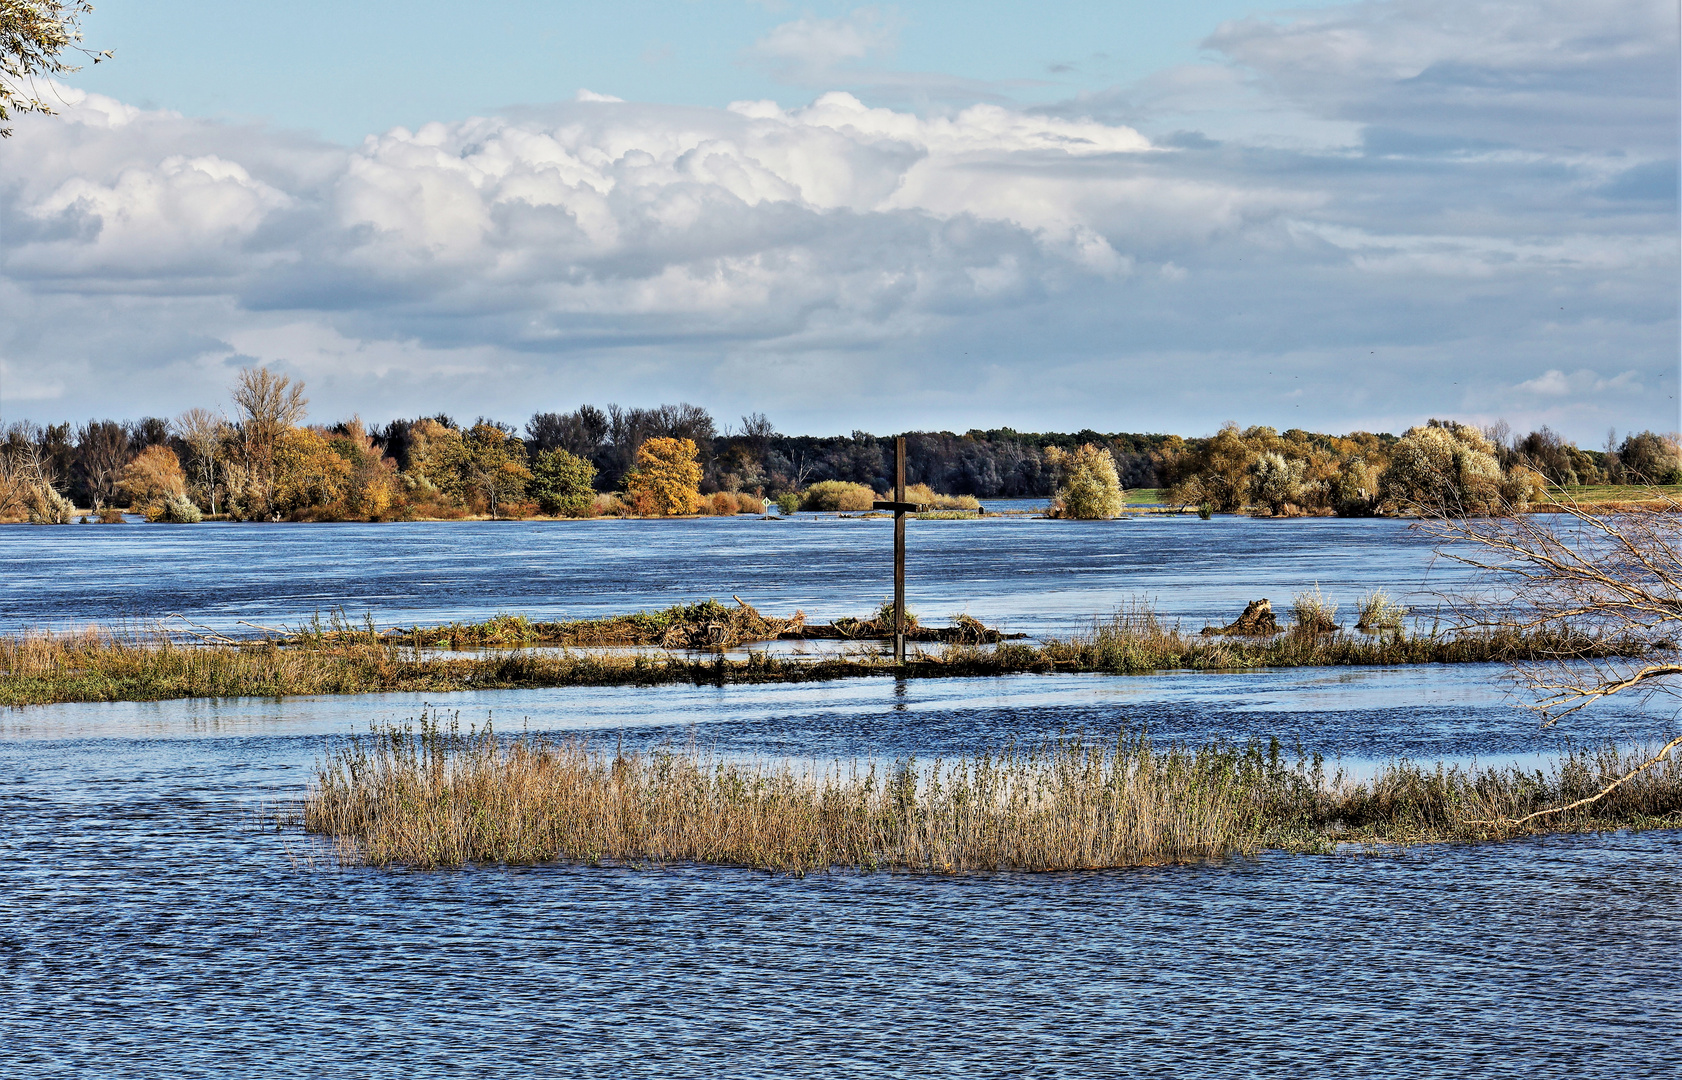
263 461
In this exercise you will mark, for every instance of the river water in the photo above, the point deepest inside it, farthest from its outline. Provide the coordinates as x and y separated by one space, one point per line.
150 926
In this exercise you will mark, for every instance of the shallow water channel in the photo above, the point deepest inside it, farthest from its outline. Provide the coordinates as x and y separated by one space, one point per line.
148 926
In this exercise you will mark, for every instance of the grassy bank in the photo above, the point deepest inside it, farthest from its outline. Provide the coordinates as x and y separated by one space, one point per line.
97 665
1607 498
437 797
705 625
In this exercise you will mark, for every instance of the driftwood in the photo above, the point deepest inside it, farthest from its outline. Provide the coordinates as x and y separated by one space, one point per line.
1257 621
707 625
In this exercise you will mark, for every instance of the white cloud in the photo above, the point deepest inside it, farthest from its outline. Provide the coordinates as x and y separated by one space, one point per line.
811 46
1401 218
1583 382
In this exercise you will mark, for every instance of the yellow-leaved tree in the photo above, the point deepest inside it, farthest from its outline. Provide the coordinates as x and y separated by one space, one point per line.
1087 485
666 478
307 473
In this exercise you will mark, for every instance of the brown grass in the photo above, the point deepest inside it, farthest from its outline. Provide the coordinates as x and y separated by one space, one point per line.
438 797
152 665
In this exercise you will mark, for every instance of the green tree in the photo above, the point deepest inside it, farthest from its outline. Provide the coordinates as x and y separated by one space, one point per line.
1087 485
34 36
1649 458
562 483
493 466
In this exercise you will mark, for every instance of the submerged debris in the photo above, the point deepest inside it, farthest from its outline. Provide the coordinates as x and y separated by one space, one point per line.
706 625
1257 621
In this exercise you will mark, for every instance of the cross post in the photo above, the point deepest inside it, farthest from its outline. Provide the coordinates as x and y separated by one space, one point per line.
900 508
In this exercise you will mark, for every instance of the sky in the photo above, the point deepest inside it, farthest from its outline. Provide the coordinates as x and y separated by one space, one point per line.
1120 216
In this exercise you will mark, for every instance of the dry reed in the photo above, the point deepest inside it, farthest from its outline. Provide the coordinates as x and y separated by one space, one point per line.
152 665
436 796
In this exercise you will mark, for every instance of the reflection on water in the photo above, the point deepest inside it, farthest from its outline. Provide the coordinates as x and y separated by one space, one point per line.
149 928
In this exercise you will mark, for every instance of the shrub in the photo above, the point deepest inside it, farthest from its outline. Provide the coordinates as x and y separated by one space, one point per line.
48 507
926 496
1523 486
1275 482
562 483
1648 458
1443 465
749 503
837 495
175 509
1087 485
666 479
788 502
722 503
1355 490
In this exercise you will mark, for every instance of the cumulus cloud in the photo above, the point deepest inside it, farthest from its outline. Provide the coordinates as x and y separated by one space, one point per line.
1430 247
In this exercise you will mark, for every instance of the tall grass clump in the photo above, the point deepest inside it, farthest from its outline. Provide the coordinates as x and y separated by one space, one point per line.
1313 612
435 796
1378 614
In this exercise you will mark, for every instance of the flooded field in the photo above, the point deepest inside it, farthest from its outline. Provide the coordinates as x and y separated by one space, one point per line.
153 926
1031 576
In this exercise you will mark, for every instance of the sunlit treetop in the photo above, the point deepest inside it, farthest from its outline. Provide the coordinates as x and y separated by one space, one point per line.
35 36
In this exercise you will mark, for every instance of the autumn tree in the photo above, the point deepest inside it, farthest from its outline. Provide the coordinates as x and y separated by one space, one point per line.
269 405
435 457
493 466
154 475
1087 485
370 489
562 483
1443 464
666 477
1276 482
35 36
306 471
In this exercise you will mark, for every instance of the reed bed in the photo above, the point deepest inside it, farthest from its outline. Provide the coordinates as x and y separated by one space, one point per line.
1136 640
154 665
435 796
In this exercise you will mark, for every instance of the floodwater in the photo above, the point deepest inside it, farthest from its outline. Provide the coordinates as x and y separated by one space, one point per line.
1029 575
149 926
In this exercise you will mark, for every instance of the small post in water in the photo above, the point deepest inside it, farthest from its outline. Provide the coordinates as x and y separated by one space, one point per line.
899 551
900 507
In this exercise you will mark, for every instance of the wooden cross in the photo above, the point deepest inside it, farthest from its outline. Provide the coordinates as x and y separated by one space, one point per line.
900 508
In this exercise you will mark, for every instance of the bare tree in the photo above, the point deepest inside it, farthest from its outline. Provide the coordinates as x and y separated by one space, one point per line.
102 449
1582 579
269 404
203 433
